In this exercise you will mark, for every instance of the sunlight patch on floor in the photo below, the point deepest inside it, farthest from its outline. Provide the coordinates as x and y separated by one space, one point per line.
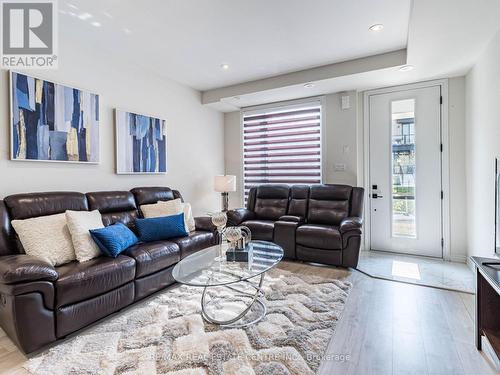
405 269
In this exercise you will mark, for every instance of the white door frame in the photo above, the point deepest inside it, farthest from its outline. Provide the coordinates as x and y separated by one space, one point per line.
445 158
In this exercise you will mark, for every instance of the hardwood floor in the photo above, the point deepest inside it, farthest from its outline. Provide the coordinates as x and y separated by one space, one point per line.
387 328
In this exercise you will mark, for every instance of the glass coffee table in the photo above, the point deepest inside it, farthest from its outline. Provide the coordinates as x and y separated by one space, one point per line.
203 270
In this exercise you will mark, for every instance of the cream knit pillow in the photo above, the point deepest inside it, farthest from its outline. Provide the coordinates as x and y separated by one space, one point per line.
79 224
46 238
168 208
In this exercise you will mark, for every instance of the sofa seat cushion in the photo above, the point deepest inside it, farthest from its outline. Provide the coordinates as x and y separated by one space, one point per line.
261 229
196 241
151 257
79 281
318 236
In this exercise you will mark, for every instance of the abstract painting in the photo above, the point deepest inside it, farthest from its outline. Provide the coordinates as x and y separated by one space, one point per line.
52 122
141 143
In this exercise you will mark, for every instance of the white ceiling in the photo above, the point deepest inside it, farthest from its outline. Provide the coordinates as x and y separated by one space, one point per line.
188 40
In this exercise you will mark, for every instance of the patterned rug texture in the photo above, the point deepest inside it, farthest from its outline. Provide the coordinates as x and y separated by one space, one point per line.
167 335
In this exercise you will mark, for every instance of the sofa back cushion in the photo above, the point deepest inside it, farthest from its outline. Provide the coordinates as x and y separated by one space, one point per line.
26 206
271 201
30 205
328 204
114 206
153 194
299 199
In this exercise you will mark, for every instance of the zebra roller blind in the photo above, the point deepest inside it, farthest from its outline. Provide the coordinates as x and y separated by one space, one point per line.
282 145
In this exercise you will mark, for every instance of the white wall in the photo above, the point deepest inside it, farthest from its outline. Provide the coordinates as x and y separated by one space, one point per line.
482 86
458 210
195 133
339 130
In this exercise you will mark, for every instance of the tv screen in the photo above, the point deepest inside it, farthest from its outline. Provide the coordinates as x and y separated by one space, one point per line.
497 208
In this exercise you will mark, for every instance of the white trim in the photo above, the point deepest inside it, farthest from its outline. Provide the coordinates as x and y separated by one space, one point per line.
445 162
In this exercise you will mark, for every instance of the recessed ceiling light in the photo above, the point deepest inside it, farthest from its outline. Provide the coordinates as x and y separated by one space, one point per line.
309 85
224 66
72 14
376 27
85 16
96 24
127 31
406 68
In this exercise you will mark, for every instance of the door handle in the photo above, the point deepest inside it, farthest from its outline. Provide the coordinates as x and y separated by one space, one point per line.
376 196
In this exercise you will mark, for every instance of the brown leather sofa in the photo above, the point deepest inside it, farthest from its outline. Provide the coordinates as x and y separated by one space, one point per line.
40 304
317 223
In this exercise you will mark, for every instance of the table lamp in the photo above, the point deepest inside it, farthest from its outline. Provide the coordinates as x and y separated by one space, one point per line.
224 184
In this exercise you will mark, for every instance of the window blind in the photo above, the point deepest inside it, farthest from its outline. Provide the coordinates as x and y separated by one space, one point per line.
282 145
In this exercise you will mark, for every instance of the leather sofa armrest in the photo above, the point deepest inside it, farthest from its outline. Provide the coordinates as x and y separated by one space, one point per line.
25 268
351 224
239 215
204 223
291 218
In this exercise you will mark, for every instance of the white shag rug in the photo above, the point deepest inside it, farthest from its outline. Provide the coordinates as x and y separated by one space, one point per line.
167 335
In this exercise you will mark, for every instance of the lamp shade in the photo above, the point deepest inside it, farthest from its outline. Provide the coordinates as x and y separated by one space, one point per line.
223 184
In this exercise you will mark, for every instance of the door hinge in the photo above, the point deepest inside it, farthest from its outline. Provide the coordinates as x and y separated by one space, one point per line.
441 147
442 194
442 242
441 99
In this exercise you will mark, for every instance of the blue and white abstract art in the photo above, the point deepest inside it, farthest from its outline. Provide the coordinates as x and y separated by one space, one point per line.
52 122
141 143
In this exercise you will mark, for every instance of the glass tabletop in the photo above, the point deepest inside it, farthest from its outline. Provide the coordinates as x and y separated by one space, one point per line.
202 268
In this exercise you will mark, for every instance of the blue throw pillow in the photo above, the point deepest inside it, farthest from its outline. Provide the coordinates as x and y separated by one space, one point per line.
161 228
114 239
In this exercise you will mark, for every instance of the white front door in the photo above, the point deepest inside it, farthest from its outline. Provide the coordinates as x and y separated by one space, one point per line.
405 171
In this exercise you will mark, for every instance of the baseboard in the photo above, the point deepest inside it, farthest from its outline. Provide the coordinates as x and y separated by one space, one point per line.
458 258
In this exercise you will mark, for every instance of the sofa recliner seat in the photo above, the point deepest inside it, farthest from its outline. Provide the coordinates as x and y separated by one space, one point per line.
319 236
80 281
40 304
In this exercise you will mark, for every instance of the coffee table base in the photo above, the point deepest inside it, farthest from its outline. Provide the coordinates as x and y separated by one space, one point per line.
257 298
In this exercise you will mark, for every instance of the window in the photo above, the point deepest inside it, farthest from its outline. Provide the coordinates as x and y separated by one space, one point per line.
403 168
282 145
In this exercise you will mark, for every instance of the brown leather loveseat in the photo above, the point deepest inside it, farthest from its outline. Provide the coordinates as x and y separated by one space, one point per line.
40 304
316 223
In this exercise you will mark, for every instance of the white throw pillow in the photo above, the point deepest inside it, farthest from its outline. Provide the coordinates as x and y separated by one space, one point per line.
46 238
79 224
168 208
188 217
162 208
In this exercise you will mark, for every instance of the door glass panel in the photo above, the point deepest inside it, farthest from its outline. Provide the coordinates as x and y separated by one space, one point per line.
403 168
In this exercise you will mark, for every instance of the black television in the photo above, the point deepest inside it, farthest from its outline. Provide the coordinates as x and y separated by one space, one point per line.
497 209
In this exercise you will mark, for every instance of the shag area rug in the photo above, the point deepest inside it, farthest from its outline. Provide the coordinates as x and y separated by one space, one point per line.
167 335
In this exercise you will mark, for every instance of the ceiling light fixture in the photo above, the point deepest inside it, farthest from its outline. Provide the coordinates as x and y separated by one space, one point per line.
84 16
376 27
96 24
224 66
127 31
309 85
406 68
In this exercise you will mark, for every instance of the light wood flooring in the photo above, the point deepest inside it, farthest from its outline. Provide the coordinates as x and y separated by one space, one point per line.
386 328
